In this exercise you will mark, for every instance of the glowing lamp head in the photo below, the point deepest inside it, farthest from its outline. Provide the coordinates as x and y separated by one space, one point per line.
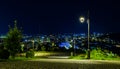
82 19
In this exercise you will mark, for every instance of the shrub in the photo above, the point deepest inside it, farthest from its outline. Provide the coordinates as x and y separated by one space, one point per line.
112 55
102 54
97 54
4 54
30 53
43 48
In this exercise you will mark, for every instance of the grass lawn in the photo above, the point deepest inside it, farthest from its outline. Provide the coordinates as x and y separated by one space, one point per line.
19 59
82 57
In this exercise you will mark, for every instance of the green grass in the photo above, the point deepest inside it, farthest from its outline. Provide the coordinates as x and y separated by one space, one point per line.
19 59
43 53
79 57
98 54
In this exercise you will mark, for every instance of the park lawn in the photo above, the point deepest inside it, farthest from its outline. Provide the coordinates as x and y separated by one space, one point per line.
82 57
43 53
19 59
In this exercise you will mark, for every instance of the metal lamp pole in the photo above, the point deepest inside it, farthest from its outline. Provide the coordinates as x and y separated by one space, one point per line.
88 21
82 20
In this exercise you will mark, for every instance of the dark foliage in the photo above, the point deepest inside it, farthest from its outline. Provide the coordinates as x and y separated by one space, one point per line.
4 54
30 53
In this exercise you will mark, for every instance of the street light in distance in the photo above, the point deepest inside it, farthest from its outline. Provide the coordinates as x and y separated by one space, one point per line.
82 20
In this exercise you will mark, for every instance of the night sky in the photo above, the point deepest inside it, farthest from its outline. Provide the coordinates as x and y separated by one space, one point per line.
36 17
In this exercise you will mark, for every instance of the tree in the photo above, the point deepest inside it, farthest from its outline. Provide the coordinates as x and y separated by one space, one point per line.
13 40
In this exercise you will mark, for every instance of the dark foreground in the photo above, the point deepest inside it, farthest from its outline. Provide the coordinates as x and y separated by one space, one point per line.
60 64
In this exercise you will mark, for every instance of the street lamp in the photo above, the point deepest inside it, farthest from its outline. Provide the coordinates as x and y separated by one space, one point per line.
82 20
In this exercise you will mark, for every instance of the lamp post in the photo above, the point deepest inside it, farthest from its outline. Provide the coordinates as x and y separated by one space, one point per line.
82 20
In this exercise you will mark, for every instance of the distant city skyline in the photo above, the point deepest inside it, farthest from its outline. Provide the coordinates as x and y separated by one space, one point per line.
36 17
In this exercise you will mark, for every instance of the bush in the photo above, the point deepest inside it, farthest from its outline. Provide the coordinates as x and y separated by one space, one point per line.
97 54
43 48
4 54
102 54
30 53
112 55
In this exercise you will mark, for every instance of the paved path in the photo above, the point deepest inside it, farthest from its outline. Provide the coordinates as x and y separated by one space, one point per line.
60 64
78 61
58 57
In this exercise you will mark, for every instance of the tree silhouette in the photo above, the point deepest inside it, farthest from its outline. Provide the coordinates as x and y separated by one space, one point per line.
13 40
